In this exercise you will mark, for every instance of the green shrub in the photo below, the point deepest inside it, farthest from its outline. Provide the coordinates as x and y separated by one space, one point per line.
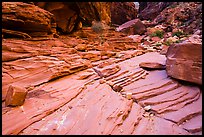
168 42
178 33
178 41
172 6
158 33
158 44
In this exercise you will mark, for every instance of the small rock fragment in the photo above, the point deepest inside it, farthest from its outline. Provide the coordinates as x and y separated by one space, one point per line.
145 115
15 96
110 83
143 77
121 130
81 47
129 95
151 115
22 109
147 108
117 88
55 35
150 49
101 81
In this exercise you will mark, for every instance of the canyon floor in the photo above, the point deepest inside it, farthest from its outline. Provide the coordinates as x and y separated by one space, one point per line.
66 96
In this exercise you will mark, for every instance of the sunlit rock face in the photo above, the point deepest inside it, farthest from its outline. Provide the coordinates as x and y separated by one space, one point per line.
19 16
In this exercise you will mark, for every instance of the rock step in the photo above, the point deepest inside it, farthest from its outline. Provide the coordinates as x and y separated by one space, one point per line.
183 113
177 104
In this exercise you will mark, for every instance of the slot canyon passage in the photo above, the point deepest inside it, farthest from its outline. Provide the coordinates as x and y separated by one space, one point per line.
101 68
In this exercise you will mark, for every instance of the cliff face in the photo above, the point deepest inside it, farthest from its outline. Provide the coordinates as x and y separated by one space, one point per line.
27 18
150 10
72 15
99 11
122 12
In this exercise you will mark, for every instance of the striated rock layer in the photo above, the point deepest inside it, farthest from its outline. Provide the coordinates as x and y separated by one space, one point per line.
67 96
19 16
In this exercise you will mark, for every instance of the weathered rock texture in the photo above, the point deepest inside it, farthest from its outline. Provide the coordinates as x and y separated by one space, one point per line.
184 15
15 96
150 10
184 62
66 96
70 15
132 27
122 12
99 11
152 66
27 18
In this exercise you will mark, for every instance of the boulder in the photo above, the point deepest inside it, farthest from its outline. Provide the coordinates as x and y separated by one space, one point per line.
184 62
122 12
15 96
26 18
132 27
81 47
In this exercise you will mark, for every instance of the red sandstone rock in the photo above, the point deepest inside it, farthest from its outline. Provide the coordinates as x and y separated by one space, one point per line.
15 96
71 16
122 12
152 65
66 22
132 27
152 30
77 102
99 11
155 39
26 18
184 15
184 62
150 10
81 47
164 50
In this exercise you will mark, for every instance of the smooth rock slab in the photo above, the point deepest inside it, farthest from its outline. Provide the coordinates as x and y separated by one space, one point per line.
184 62
152 65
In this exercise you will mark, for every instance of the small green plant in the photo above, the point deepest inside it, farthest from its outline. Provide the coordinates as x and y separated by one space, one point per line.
168 43
172 6
97 27
178 41
158 44
178 34
158 33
